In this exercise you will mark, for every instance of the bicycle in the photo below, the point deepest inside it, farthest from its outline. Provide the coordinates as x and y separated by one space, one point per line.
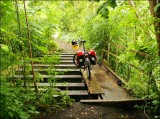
83 58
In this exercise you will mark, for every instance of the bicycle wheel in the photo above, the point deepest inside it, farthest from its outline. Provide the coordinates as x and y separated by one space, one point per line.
88 68
75 60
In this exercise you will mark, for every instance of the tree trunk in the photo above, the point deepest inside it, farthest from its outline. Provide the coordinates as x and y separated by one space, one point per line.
30 49
156 14
21 47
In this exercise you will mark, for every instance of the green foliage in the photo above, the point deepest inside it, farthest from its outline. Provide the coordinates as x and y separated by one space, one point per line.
103 10
16 101
4 48
52 98
157 7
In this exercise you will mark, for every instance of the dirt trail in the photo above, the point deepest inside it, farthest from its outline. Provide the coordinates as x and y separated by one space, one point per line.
66 47
85 111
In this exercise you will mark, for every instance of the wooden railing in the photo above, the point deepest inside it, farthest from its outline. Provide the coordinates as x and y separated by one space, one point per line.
110 57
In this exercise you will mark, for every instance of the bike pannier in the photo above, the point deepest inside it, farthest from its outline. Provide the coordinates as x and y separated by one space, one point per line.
93 57
80 58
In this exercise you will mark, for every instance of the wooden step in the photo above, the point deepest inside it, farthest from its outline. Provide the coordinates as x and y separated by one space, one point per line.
61 70
66 62
66 58
48 65
117 101
67 66
67 54
50 76
49 71
53 63
58 78
76 92
68 92
60 55
58 84
122 103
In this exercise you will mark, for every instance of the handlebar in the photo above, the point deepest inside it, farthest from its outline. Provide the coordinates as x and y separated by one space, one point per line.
82 41
74 42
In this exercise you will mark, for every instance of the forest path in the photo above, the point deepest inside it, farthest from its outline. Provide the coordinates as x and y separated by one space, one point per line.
65 47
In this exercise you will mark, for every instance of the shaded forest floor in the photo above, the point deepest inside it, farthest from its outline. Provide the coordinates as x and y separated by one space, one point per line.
85 111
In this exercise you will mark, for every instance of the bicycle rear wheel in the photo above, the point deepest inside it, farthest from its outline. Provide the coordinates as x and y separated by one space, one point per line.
75 60
88 68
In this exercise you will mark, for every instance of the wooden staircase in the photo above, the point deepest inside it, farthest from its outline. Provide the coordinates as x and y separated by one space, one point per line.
68 77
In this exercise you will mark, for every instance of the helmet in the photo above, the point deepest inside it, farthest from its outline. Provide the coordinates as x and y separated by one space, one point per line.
74 45
74 42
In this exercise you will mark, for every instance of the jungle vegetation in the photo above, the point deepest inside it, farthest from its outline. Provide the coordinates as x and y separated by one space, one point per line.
129 30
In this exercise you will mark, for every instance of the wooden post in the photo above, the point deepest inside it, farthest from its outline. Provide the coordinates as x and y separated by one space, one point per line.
102 55
108 53
129 72
116 59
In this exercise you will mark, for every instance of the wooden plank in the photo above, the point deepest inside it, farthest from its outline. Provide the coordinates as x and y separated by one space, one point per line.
68 66
93 85
65 65
76 92
47 65
67 69
66 61
116 101
121 79
50 76
66 58
67 54
58 84
61 70
63 55
69 61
